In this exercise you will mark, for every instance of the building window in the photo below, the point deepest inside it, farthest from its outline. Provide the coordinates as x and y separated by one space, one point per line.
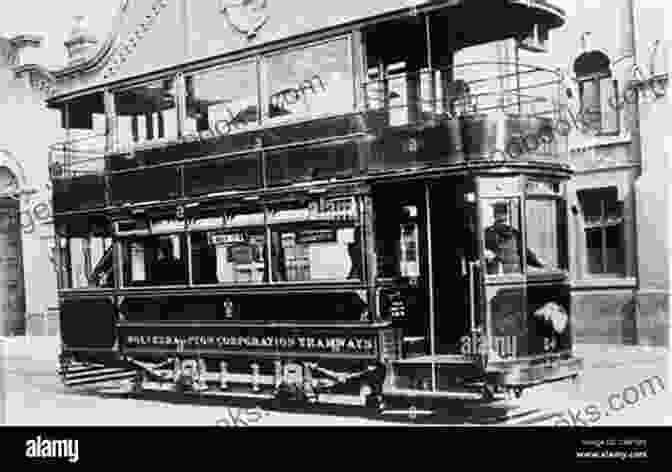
596 96
604 235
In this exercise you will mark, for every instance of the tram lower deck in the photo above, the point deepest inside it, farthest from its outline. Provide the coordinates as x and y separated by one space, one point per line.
401 288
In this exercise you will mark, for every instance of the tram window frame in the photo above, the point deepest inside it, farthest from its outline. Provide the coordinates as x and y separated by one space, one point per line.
538 190
84 121
229 229
552 264
81 279
399 257
222 126
159 131
514 220
149 254
327 232
268 79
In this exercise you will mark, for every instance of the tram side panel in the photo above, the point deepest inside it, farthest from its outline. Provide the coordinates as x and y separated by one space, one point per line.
231 337
528 320
88 327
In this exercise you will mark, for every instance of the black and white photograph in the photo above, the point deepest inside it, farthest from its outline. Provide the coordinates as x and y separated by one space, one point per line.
292 215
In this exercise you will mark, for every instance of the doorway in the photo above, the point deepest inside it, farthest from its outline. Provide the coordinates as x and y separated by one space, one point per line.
453 246
12 302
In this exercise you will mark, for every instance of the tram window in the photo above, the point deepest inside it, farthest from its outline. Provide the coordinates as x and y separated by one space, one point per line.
228 257
88 262
317 243
155 260
84 120
502 236
309 81
317 254
542 234
146 113
224 100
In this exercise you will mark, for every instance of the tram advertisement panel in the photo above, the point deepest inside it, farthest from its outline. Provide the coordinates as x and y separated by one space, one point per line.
262 340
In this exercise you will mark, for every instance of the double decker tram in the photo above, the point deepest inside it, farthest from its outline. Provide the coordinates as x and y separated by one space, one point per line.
352 212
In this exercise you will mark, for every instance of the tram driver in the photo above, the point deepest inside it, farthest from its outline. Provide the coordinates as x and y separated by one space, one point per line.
502 245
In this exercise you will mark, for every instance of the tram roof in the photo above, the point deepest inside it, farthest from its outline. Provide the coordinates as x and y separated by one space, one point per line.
156 37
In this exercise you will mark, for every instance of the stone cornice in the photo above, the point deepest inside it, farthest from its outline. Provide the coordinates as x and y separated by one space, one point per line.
111 52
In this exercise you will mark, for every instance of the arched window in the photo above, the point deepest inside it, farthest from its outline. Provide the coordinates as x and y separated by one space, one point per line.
597 90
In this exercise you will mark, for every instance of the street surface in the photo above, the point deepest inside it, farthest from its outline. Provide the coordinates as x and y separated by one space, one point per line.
621 386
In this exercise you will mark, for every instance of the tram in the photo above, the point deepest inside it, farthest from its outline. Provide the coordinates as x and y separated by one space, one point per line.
346 211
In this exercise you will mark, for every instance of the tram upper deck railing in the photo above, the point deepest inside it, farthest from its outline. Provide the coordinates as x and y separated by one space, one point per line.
446 116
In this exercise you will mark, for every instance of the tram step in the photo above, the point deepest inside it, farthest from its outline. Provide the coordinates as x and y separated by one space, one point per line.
89 380
86 374
457 394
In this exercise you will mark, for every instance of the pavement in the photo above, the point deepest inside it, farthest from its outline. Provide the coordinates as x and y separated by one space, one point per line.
37 397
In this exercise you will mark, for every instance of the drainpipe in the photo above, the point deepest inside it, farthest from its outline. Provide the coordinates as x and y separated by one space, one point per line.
631 38
636 151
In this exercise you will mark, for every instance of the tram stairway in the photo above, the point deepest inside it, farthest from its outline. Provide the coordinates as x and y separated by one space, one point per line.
78 373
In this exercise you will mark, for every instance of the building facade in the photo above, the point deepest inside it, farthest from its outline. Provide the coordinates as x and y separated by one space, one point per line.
27 276
616 55
615 58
